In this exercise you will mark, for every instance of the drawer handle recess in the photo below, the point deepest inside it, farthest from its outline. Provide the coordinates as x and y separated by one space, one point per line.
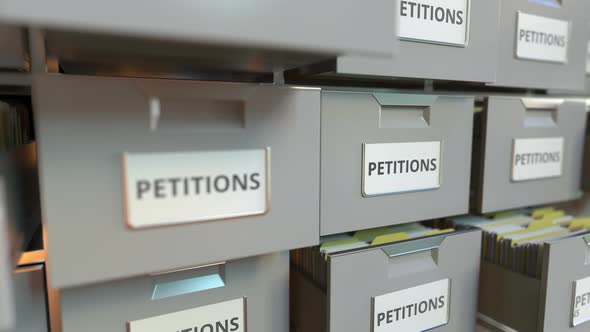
413 246
541 112
186 281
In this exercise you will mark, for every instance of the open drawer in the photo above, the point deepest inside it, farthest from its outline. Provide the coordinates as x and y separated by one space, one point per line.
528 152
248 294
415 285
153 175
558 301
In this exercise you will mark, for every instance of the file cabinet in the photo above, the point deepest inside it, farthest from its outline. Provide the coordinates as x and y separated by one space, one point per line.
13 46
360 284
373 158
542 44
456 40
30 299
528 152
152 175
248 294
556 302
247 35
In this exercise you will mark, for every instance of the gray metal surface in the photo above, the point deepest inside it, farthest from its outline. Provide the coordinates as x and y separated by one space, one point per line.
30 299
565 262
7 311
504 120
85 124
263 280
287 25
532 305
476 62
586 160
350 119
513 72
355 278
13 48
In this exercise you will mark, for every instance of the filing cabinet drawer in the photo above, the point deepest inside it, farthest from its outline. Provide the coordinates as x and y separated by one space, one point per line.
244 295
542 44
556 302
30 298
153 175
459 43
13 46
530 151
372 284
252 24
365 138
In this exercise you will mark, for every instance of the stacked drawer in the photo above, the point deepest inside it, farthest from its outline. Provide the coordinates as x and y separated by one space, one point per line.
201 206
132 180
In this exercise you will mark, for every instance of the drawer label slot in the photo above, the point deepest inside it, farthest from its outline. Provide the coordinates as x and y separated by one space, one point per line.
537 158
390 168
542 38
163 189
224 316
418 308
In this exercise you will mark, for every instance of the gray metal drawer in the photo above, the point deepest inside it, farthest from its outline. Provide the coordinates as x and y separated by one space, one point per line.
356 278
105 145
7 311
356 121
259 285
554 64
508 122
473 59
531 305
30 295
257 31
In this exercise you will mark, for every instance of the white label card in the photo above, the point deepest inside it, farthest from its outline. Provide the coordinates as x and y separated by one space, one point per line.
390 168
224 316
542 38
537 158
174 188
418 308
581 302
434 21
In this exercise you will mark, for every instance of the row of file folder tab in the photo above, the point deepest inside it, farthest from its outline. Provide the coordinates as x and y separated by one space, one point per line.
516 239
313 260
513 239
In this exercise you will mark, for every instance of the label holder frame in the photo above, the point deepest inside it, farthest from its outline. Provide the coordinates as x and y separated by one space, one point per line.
553 62
440 175
512 181
447 320
465 45
126 208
